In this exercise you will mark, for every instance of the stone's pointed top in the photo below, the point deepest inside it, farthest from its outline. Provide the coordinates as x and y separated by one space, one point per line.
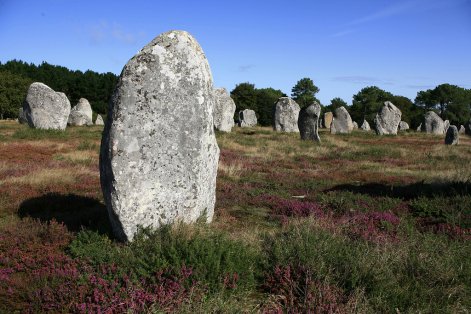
365 126
99 120
81 114
433 123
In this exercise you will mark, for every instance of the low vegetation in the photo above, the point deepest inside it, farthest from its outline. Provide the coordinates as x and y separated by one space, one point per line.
356 224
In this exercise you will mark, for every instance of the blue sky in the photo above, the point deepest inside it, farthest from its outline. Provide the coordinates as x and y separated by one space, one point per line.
400 46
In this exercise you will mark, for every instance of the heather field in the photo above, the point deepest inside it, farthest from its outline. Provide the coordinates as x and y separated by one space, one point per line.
356 224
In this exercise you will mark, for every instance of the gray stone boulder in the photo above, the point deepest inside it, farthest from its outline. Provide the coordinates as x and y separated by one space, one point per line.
328 117
403 126
355 125
46 109
365 126
224 109
308 122
387 119
462 129
247 118
419 128
433 124
81 114
342 122
159 156
446 125
452 136
22 116
285 115
99 120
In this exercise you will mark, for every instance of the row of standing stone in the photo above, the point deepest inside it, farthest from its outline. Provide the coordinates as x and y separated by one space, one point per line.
44 108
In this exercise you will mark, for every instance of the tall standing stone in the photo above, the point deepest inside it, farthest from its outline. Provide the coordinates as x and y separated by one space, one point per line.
159 155
224 109
452 136
446 125
462 129
247 118
328 117
46 109
387 119
342 122
365 126
285 116
81 114
433 123
308 122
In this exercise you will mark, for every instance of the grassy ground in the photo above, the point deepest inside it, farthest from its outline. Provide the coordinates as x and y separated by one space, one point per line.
357 224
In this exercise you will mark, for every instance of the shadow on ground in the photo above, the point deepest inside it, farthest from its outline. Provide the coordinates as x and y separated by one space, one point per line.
74 211
407 192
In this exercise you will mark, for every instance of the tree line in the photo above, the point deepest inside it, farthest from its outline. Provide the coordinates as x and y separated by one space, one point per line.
16 76
449 101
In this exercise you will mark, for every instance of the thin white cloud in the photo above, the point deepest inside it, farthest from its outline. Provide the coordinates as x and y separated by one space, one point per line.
343 33
245 67
360 79
104 31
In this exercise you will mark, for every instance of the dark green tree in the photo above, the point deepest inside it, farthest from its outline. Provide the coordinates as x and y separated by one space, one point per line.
13 88
244 96
450 101
367 102
334 104
266 99
304 92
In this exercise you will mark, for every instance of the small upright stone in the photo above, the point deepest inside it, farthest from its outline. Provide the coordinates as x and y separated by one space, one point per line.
308 122
81 114
342 122
328 117
462 129
403 126
99 120
452 136
159 156
365 126
285 116
46 109
247 118
419 128
433 123
355 125
22 116
387 119
224 109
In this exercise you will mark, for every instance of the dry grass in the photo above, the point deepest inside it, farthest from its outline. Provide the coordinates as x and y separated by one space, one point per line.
49 177
232 170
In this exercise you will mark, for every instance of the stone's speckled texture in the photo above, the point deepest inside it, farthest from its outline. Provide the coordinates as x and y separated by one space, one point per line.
433 123
403 126
446 125
355 125
285 115
308 122
159 156
81 114
452 136
365 126
328 117
224 109
46 109
99 120
22 116
462 129
387 119
247 118
342 122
